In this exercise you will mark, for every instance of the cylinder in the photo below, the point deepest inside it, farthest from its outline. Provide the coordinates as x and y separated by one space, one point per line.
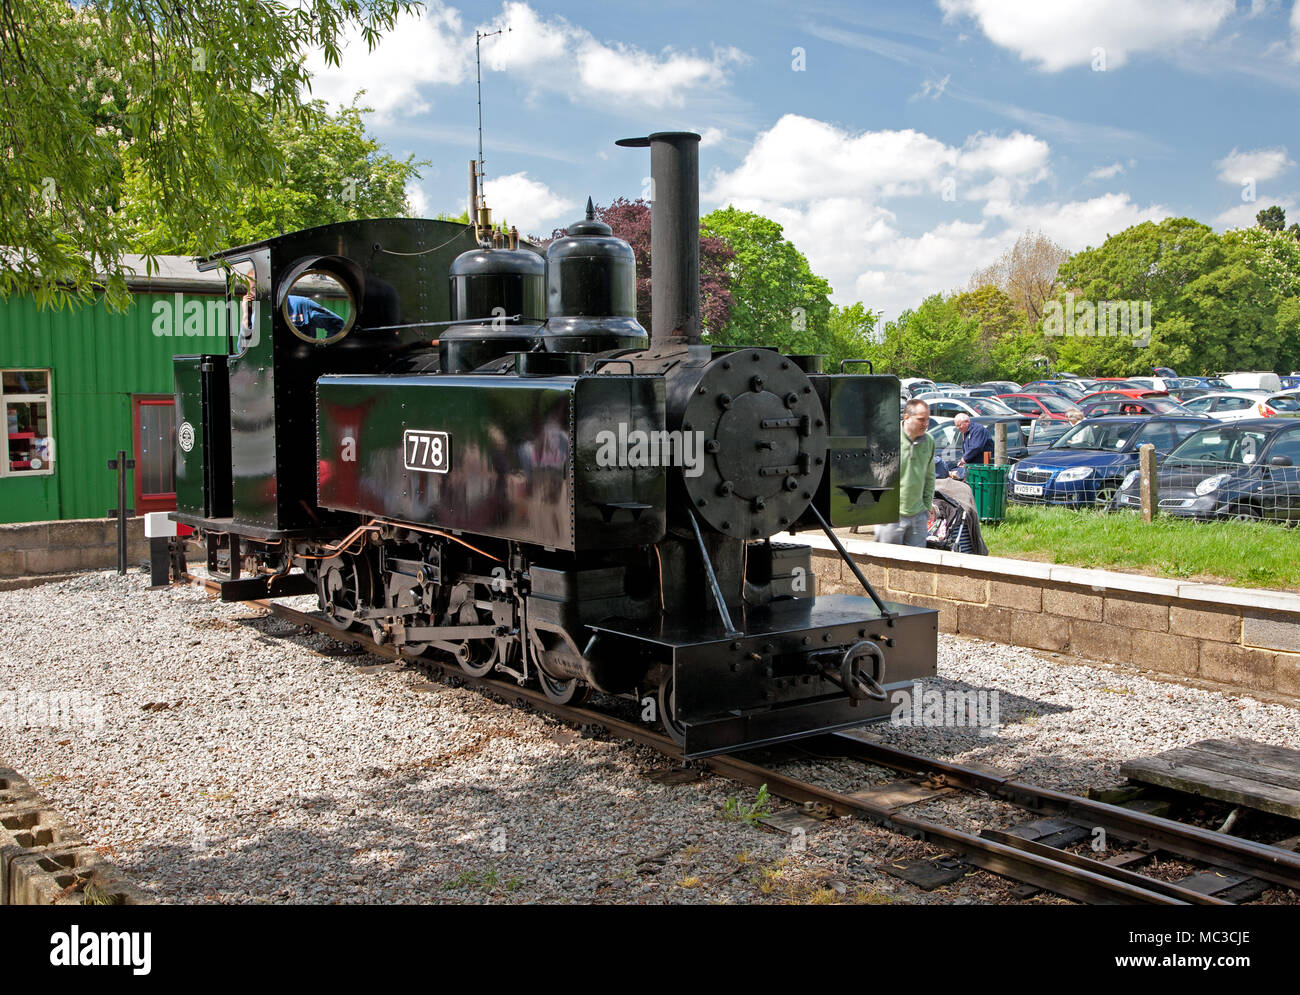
674 234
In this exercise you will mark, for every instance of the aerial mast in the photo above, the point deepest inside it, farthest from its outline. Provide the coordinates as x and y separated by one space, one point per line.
480 216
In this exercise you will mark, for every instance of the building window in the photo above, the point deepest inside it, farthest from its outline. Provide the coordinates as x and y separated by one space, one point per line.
29 443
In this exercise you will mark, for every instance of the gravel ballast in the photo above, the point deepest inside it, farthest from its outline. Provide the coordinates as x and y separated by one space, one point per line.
216 754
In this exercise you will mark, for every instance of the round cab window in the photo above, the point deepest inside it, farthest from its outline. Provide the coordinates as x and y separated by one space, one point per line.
319 309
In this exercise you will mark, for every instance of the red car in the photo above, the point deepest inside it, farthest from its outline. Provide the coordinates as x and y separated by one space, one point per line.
1050 406
1110 395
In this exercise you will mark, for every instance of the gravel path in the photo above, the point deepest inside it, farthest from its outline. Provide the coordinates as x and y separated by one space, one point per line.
218 755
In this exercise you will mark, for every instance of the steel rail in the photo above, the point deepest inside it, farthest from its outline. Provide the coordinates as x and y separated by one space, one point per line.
1259 860
1085 883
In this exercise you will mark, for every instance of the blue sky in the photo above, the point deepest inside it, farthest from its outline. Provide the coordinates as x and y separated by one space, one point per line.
902 145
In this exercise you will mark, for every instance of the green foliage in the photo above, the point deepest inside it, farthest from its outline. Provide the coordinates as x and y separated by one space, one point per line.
1271 218
850 335
182 90
1213 301
777 300
333 172
734 810
935 340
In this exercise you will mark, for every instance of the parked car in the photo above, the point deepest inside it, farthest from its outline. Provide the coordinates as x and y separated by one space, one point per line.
1001 386
1246 469
1232 405
1290 383
1061 388
943 406
1154 404
1088 464
1209 383
1253 381
1043 432
1111 393
911 385
1039 405
948 440
1184 394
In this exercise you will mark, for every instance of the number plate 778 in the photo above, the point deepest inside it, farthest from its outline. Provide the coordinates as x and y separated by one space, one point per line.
429 452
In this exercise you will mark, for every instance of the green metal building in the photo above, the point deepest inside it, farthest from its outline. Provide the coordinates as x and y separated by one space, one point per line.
81 383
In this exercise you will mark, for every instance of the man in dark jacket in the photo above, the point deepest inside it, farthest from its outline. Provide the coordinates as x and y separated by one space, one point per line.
976 441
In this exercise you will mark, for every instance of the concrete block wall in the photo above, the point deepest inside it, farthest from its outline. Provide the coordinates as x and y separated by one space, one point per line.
1240 638
34 548
44 862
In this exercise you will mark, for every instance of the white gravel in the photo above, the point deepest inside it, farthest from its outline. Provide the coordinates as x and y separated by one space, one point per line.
216 755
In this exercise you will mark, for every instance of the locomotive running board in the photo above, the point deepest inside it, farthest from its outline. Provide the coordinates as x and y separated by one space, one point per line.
761 686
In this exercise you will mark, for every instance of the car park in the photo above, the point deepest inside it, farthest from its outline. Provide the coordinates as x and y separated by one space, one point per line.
1232 405
944 406
1247 469
948 440
1061 388
1039 405
911 386
1088 464
1155 405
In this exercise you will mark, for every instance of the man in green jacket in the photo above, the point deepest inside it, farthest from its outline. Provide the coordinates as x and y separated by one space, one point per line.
915 479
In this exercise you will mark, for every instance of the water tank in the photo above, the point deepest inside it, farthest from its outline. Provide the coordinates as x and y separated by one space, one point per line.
493 284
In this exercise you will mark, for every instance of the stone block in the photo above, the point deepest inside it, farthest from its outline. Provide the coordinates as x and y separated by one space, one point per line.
1132 613
1271 631
1072 604
1239 666
1165 653
1098 641
1010 594
984 622
1286 673
1040 631
909 581
24 536
1206 623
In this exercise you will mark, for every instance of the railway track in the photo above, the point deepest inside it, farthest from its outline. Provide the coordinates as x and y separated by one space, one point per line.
1085 879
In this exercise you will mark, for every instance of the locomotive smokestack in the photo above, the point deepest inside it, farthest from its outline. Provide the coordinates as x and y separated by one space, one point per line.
674 233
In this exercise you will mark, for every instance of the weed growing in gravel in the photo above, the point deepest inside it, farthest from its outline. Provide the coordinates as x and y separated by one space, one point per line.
733 810
689 882
489 880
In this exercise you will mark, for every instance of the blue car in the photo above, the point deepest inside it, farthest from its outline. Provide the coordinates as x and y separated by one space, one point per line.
1088 464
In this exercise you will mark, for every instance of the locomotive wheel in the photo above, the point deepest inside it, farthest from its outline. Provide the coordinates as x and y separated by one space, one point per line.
571 692
477 657
668 713
343 587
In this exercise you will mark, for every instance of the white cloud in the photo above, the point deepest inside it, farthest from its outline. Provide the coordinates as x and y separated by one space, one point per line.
418 199
529 205
1077 224
419 52
833 192
1295 30
1256 164
1065 33
712 136
801 159
1107 172
437 49
1243 215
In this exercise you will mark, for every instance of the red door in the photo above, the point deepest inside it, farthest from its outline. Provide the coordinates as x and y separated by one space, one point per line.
154 427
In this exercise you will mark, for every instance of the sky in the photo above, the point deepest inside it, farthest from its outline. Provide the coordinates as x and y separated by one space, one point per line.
902 146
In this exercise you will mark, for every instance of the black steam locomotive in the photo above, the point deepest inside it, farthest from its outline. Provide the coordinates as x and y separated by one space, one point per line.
503 466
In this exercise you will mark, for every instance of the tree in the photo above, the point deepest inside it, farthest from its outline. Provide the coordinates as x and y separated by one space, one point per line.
936 341
850 335
777 300
1271 218
187 87
1212 305
333 172
1026 272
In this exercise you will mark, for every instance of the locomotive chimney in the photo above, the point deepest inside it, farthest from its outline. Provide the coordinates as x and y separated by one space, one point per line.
674 233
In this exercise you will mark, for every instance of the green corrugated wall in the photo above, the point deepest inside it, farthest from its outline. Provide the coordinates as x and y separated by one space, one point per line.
97 359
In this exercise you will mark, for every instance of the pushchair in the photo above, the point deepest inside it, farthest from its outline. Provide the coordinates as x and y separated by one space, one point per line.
953 527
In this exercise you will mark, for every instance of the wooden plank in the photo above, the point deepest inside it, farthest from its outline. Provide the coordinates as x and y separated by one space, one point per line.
1214 784
1233 767
899 794
1264 766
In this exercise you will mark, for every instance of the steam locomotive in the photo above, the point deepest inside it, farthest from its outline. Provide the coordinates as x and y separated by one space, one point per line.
463 446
